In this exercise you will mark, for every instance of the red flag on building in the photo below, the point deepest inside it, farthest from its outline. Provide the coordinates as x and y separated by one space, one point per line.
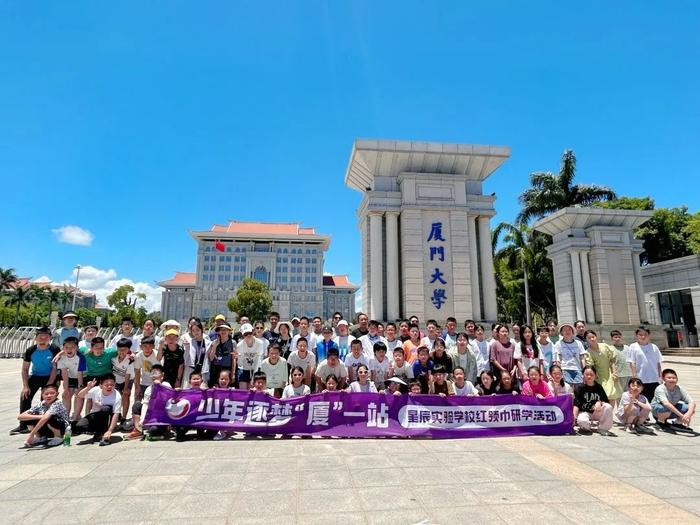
219 246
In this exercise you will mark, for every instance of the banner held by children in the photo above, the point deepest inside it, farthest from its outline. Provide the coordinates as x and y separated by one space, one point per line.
345 414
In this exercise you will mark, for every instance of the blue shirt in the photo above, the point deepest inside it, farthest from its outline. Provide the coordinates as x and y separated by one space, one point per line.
322 349
40 359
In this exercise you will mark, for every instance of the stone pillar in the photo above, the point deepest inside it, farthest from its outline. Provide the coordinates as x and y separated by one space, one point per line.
639 288
488 279
587 288
474 268
578 285
392 266
376 304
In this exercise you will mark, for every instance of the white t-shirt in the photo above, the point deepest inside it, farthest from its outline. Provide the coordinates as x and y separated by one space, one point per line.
646 360
71 364
353 363
99 400
569 354
121 368
527 361
404 372
147 398
396 343
144 363
450 341
380 370
467 390
355 386
343 343
276 374
291 391
250 357
136 343
324 370
304 362
368 344
426 341
116 338
480 350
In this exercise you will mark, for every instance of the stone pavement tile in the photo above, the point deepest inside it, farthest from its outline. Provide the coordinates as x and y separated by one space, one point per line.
146 484
270 465
281 480
14 471
622 469
328 501
137 509
475 444
172 467
196 507
275 449
374 500
67 470
94 487
6 484
504 493
429 476
264 503
592 513
406 446
315 448
560 491
459 495
445 446
362 478
559 442
615 494
483 515
586 454
355 447
213 483
223 465
10 456
112 468
391 517
673 452
662 487
470 473
346 518
661 514
142 452
525 472
689 504
505 457
691 480
382 461
325 479
67 510
12 511
33 489
246 519
621 452
410 461
311 463
543 512
693 463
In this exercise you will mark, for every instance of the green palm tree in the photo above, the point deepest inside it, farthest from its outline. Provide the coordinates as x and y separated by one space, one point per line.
550 192
53 297
18 297
8 277
37 295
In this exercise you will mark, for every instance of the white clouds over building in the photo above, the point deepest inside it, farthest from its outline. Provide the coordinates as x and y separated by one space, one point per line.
73 235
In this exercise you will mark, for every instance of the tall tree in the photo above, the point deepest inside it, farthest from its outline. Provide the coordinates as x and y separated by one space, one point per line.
36 295
252 299
550 192
18 298
8 278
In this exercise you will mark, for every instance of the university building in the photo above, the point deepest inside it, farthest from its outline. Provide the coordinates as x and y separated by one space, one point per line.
285 256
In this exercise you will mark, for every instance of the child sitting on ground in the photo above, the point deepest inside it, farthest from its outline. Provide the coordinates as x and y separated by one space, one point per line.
633 409
355 358
195 383
423 368
296 387
140 407
672 404
363 383
379 365
104 407
47 420
394 384
260 384
414 387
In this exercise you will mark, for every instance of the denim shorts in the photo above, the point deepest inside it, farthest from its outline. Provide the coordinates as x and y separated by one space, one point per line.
658 408
573 377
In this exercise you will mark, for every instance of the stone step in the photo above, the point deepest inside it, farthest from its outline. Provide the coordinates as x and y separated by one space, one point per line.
685 352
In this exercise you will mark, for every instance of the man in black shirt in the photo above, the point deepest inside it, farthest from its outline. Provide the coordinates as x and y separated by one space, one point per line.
272 335
363 329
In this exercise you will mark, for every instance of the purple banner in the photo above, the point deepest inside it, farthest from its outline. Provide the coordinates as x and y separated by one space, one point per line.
361 415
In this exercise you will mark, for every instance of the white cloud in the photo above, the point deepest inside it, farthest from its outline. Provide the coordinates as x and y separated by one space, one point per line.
104 282
42 279
73 235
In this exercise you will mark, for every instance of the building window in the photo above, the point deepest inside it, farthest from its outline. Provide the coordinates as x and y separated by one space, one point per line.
261 274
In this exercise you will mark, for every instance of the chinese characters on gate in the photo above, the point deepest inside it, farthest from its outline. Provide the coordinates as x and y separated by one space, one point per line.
436 253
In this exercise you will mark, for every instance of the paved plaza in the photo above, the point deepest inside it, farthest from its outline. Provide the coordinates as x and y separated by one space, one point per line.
570 479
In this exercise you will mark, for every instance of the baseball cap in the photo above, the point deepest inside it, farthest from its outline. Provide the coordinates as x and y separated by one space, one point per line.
172 331
220 317
342 322
247 329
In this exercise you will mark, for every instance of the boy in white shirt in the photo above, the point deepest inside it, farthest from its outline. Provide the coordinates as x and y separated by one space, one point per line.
304 359
141 407
343 339
123 370
275 368
104 408
355 358
379 366
144 361
71 366
400 368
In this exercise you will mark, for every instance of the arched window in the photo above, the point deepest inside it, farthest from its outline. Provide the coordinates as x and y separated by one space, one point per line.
261 274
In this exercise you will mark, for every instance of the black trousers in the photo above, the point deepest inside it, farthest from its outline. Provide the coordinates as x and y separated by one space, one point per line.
35 384
95 423
648 390
54 422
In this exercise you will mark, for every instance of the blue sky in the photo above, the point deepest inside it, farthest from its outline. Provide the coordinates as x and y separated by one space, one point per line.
138 121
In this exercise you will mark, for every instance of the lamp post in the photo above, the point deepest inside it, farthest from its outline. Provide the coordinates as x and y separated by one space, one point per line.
75 290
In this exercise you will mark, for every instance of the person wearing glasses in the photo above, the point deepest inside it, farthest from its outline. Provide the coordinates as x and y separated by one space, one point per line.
259 333
337 316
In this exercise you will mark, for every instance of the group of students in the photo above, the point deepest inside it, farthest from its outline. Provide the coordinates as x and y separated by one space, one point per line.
608 381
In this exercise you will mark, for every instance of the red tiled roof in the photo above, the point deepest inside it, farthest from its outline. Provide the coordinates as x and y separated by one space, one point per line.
263 228
181 279
337 280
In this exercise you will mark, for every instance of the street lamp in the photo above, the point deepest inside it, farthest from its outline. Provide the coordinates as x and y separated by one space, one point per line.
75 290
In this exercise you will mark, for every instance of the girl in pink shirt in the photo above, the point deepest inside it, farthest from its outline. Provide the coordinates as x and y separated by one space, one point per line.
534 386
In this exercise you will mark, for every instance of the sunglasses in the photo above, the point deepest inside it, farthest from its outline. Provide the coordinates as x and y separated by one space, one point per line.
259 327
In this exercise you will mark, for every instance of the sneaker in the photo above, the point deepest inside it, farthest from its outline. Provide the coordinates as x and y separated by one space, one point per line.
605 433
127 426
641 429
104 442
663 425
19 430
134 434
54 442
630 429
220 436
